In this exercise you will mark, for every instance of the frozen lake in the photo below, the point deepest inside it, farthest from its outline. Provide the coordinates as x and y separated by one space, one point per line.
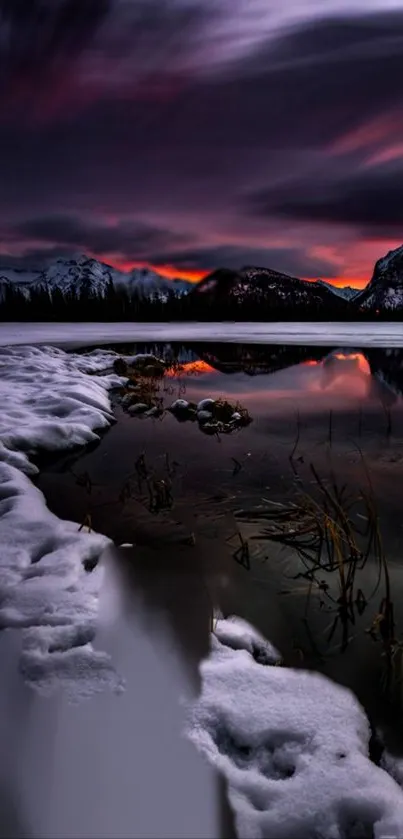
71 335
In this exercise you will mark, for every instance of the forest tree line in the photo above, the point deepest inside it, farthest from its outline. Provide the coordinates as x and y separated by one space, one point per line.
117 304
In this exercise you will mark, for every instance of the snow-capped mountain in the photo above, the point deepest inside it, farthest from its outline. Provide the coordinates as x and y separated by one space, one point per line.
17 277
82 274
20 276
256 287
385 290
347 293
146 283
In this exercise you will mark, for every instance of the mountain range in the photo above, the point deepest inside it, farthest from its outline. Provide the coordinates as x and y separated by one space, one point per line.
83 273
251 289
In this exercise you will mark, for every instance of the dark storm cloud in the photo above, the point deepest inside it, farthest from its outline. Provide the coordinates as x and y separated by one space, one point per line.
135 241
370 200
37 35
306 88
263 105
33 258
199 142
54 52
291 260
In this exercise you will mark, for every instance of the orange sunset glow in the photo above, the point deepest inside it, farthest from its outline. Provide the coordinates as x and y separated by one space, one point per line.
342 282
168 271
358 357
191 368
194 275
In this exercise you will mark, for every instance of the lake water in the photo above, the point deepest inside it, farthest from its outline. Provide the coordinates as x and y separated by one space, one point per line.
338 412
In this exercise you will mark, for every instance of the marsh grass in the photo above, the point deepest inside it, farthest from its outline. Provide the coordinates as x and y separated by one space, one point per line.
152 390
335 533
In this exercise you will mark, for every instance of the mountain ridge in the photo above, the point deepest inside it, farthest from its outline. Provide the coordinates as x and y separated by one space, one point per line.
82 273
252 289
384 291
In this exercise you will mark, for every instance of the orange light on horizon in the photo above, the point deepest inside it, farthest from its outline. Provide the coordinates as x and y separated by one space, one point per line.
342 282
168 271
194 275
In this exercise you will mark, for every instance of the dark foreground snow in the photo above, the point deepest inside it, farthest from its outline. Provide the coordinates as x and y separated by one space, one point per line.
293 746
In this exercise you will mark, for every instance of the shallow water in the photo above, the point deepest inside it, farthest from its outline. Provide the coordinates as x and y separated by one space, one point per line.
337 409
103 767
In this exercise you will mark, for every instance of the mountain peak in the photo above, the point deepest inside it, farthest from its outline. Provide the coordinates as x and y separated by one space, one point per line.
385 290
347 292
79 273
263 287
392 258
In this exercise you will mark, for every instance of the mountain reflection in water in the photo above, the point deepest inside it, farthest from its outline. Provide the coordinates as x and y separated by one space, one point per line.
325 375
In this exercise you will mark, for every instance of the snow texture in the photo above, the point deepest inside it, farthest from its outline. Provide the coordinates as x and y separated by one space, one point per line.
82 273
46 592
308 333
292 745
347 292
393 765
50 401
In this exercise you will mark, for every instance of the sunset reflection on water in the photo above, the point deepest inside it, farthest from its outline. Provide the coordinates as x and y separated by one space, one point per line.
338 380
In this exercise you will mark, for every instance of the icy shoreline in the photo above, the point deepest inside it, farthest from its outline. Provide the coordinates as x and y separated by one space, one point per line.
292 745
71 335
50 402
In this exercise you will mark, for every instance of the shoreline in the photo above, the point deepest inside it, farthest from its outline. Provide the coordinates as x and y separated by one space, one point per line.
74 335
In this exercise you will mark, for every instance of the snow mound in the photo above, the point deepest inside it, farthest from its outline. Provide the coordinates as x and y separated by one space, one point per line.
394 766
292 745
46 592
50 401
238 634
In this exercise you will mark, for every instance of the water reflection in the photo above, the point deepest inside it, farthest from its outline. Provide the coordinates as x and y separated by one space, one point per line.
338 380
312 377
346 408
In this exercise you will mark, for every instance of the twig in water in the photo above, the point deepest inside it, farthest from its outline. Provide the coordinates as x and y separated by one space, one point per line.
237 466
297 437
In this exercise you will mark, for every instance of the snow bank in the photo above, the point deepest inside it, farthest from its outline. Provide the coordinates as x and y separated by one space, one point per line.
293 746
50 402
393 765
46 592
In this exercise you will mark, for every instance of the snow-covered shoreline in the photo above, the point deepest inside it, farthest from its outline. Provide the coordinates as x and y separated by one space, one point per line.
71 335
292 745
50 401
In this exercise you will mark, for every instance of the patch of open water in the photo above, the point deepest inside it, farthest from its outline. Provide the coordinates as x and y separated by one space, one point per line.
337 410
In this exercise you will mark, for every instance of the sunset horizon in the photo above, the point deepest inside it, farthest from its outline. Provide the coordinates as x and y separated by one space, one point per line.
226 138
194 275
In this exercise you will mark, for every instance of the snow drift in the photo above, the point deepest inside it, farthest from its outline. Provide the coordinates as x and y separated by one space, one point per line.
50 401
292 745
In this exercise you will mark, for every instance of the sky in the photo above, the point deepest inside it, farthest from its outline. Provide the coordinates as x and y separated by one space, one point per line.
193 134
